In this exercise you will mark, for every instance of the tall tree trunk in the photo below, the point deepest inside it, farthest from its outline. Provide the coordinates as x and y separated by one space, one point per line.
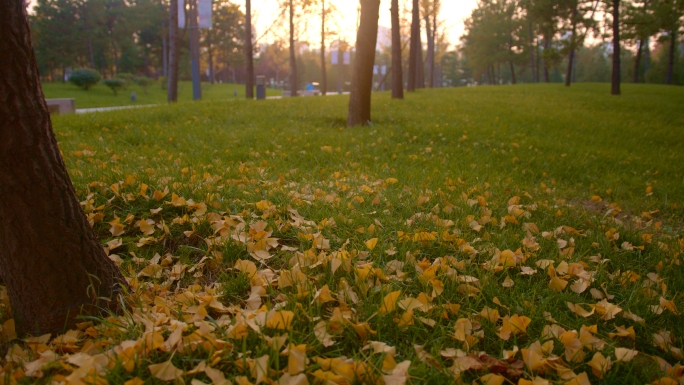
430 51
420 65
172 89
547 46
615 80
249 51
672 54
397 75
637 60
165 56
52 264
324 75
415 47
90 53
433 63
538 65
513 79
362 77
531 45
647 54
573 39
293 59
210 59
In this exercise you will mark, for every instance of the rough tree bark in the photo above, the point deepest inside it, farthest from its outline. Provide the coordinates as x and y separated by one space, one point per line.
249 51
415 47
672 54
615 80
293 59
324 75
397 75
172 92
362 76
52 264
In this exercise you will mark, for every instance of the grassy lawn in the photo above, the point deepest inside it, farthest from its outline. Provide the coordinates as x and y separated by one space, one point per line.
101 96
470 234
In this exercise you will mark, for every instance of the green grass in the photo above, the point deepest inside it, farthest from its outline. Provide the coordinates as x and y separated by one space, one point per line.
101 96
555 148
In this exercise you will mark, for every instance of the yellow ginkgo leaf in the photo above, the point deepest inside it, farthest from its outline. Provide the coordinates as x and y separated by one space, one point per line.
390 302
296 362
165 371
492 379
370 244
600 364
557 284
624 354
280 320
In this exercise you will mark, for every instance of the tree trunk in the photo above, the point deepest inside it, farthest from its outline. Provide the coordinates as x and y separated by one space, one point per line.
430 51
547 46
420 65
397 75
672 54
249 51
362 77
637 60
210 59
513 79
52 264
293 59
531 42
571 56
172 92
165 57
414 49
647 54
324 75
615 86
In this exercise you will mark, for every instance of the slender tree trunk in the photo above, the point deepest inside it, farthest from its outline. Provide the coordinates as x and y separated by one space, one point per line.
415 48
615 86
547 46
647 59
249 51
672 54
165 56
637 60
513 79
397 75
433 62
90 53
210 59
430 51
420 65
538 66
531 42
52 264
324 75
571 56
293 59
362 77
172 89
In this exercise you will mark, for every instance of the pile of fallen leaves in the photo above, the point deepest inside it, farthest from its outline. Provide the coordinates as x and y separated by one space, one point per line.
320 303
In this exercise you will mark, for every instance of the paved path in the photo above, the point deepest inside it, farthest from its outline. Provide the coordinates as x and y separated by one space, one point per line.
104 109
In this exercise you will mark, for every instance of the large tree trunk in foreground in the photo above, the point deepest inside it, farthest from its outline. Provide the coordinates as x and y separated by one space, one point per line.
324 75
573 43
172 92
414 48
672 54
397 75
249 52
362 77
293 59
52 264
615 80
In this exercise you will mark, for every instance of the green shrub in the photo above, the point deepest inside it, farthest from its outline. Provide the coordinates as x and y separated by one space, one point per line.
144 82
127 76
114 84
84 78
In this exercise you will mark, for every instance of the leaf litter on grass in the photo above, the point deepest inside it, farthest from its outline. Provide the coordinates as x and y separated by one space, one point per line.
254 273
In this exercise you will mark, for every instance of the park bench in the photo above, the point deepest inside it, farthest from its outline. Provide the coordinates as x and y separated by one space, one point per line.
61 106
